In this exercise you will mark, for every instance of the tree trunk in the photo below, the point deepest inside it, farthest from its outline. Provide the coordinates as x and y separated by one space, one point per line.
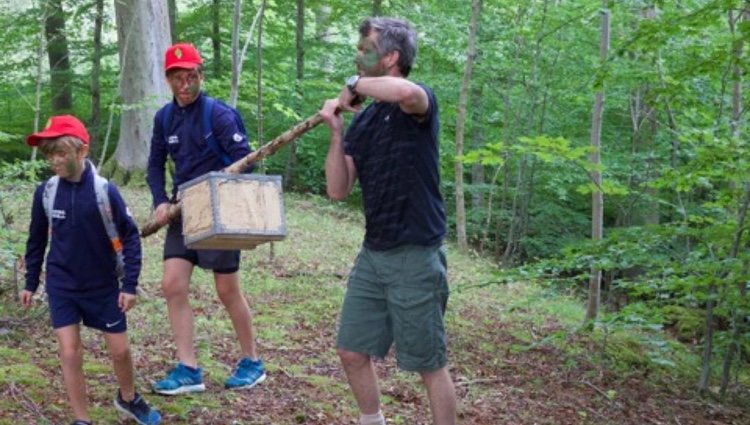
143 34
736 132
39 79
705 375
172 6
59 61
323 33
514 126
291 162
216 34
508 136
597 197
96 64
236 60
259 81
476 8
488 220
537 87
477 142
513 216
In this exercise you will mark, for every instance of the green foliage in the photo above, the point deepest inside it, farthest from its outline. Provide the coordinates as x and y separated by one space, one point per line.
688 323
14 175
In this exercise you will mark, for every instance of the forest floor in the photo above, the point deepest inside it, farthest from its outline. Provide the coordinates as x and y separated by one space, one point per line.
517 354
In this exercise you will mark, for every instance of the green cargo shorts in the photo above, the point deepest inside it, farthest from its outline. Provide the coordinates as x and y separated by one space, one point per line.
397 296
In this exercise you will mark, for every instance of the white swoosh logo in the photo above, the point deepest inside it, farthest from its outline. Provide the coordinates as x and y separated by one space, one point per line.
109 325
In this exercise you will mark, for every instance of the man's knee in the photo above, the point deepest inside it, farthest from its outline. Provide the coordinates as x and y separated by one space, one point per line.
352 359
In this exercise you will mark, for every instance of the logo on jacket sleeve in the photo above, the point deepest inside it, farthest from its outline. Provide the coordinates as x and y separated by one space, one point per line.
237 137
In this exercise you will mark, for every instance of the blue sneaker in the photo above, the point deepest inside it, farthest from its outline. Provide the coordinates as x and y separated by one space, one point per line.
247 375
181 380
137 409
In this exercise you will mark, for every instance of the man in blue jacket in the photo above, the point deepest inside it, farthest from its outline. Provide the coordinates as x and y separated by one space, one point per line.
397 290
82 279
178 135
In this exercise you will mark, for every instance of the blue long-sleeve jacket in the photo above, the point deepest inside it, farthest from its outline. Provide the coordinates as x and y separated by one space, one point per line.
81 260
185 144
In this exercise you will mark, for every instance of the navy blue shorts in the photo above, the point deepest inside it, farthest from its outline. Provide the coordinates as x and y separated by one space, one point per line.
101 313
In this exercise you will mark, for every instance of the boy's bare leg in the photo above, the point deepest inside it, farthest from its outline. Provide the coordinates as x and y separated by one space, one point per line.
362 380
442 395
228 290
122 361
71 358
175 286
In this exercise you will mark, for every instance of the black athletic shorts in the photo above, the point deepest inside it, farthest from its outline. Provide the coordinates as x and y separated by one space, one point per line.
220 261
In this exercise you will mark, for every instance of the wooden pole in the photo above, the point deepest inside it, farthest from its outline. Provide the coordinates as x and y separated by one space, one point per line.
243 164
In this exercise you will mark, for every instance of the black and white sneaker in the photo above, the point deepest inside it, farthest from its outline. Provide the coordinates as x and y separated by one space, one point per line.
137 409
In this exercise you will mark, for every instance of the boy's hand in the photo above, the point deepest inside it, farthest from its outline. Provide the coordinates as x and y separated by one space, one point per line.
26 298
161 213
126 301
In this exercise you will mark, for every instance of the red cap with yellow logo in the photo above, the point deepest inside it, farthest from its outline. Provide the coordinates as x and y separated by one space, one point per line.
182 55
58 126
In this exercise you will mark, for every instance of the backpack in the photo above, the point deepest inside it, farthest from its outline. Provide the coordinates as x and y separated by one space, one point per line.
101 187
207 106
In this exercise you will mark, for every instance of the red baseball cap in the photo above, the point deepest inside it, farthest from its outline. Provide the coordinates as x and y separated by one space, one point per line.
182 55
60 125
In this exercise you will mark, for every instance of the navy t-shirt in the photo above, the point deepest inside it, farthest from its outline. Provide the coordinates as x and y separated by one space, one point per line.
396 157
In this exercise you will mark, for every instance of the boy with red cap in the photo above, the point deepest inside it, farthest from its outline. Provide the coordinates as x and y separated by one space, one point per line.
179 134
90 276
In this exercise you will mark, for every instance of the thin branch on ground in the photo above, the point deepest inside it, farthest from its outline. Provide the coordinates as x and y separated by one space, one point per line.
26 401
477 381
595 388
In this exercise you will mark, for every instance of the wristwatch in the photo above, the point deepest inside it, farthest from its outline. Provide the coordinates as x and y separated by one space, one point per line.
351 83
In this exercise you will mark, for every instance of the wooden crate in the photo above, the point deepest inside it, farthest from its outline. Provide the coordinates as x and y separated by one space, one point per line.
232 211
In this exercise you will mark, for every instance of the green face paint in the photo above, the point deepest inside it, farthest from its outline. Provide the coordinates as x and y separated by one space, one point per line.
65 163
368 58
186 85
71 167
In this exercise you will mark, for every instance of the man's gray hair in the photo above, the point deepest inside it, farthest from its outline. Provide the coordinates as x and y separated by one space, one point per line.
393 35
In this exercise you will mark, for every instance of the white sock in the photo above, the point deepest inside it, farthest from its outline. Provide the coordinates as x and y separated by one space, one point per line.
372 419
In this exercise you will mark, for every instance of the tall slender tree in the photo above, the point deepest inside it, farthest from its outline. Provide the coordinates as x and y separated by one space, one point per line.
59 60
96 65
236 56
476 9
736 133
259 78
172 5
300 49
216 35
597 197
41 47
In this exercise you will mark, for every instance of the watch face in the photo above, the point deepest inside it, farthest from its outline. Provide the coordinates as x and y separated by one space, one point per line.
352 81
